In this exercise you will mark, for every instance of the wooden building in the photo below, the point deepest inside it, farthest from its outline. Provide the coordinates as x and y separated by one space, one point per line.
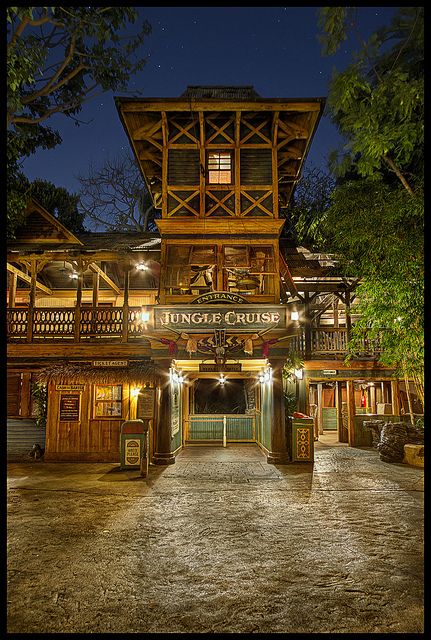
189 329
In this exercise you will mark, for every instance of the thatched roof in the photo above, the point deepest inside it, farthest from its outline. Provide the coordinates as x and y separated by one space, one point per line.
136 373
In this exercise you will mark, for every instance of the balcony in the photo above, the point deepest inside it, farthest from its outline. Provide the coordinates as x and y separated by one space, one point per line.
107 325
87 324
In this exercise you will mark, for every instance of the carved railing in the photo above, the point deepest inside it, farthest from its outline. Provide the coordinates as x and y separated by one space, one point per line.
97 323
329 340
100 322
16 320
53 323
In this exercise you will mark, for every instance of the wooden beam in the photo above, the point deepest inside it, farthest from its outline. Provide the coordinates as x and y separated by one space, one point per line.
12 290
104 277
26 278
173 104
202 168
96 282
237 166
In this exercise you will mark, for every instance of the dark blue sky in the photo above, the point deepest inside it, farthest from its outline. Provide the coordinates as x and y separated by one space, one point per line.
275 49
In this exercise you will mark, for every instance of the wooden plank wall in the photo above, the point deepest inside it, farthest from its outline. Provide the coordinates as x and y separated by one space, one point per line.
89 439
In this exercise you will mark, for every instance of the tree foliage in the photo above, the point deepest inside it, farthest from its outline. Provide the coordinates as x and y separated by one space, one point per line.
375 221
57 59
377 102
310 200
60 203
114 196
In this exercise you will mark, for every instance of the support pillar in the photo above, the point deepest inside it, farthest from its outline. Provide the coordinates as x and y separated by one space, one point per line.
31 301
280 445
163 431
351 412
395 392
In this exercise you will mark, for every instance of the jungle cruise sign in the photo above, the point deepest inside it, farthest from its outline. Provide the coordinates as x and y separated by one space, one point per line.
245 318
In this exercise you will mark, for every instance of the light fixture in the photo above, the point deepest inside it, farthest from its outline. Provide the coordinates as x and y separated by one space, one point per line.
294 315
73 275
264 376
222 379
142 266
299 373
145 316
135 392
177 377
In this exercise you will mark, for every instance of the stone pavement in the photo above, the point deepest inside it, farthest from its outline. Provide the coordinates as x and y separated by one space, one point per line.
220 541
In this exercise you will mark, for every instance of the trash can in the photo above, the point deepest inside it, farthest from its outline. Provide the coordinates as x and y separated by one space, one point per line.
302 439
134 441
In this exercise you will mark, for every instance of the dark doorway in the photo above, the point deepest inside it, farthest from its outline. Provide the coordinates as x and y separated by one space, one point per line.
211 397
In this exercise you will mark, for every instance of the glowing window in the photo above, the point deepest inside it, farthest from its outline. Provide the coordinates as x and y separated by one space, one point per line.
219 167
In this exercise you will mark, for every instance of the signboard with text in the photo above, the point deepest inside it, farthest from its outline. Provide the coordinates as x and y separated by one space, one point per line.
244 318
69 407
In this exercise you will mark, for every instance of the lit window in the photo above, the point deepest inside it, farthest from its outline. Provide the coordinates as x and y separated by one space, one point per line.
108 401
219 167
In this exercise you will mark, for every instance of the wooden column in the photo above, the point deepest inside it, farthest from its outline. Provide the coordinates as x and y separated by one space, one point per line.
203 161
348 318
338 407
320 407
280 446
237 163
373 406
78 301
126 303
395 392
350 412
13 279
31 301
162 438
96 282
307 327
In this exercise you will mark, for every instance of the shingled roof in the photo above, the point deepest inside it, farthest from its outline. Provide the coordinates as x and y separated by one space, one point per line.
221 92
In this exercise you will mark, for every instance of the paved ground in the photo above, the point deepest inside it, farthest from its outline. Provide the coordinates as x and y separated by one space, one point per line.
219 542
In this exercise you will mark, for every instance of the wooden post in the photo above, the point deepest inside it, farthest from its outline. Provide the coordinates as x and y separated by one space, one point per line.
373 399
13 279
162 440
338 407
78 301
126 303
96 282
320 407
237 164
395 392
351 412
31 301
280 446
348 318
307 318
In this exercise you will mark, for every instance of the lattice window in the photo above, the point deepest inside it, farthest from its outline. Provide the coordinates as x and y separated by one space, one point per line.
219 167
190 270
249 270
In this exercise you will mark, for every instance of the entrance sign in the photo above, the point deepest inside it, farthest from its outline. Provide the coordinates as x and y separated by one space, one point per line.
253 318
220 296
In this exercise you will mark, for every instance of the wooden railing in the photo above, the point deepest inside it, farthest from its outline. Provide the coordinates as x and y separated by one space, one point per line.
99 323
51 325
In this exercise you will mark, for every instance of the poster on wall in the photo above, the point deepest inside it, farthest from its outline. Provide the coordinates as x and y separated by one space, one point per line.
145 403
69 407
175 407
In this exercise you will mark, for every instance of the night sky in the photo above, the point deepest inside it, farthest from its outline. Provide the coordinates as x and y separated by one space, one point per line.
274 49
